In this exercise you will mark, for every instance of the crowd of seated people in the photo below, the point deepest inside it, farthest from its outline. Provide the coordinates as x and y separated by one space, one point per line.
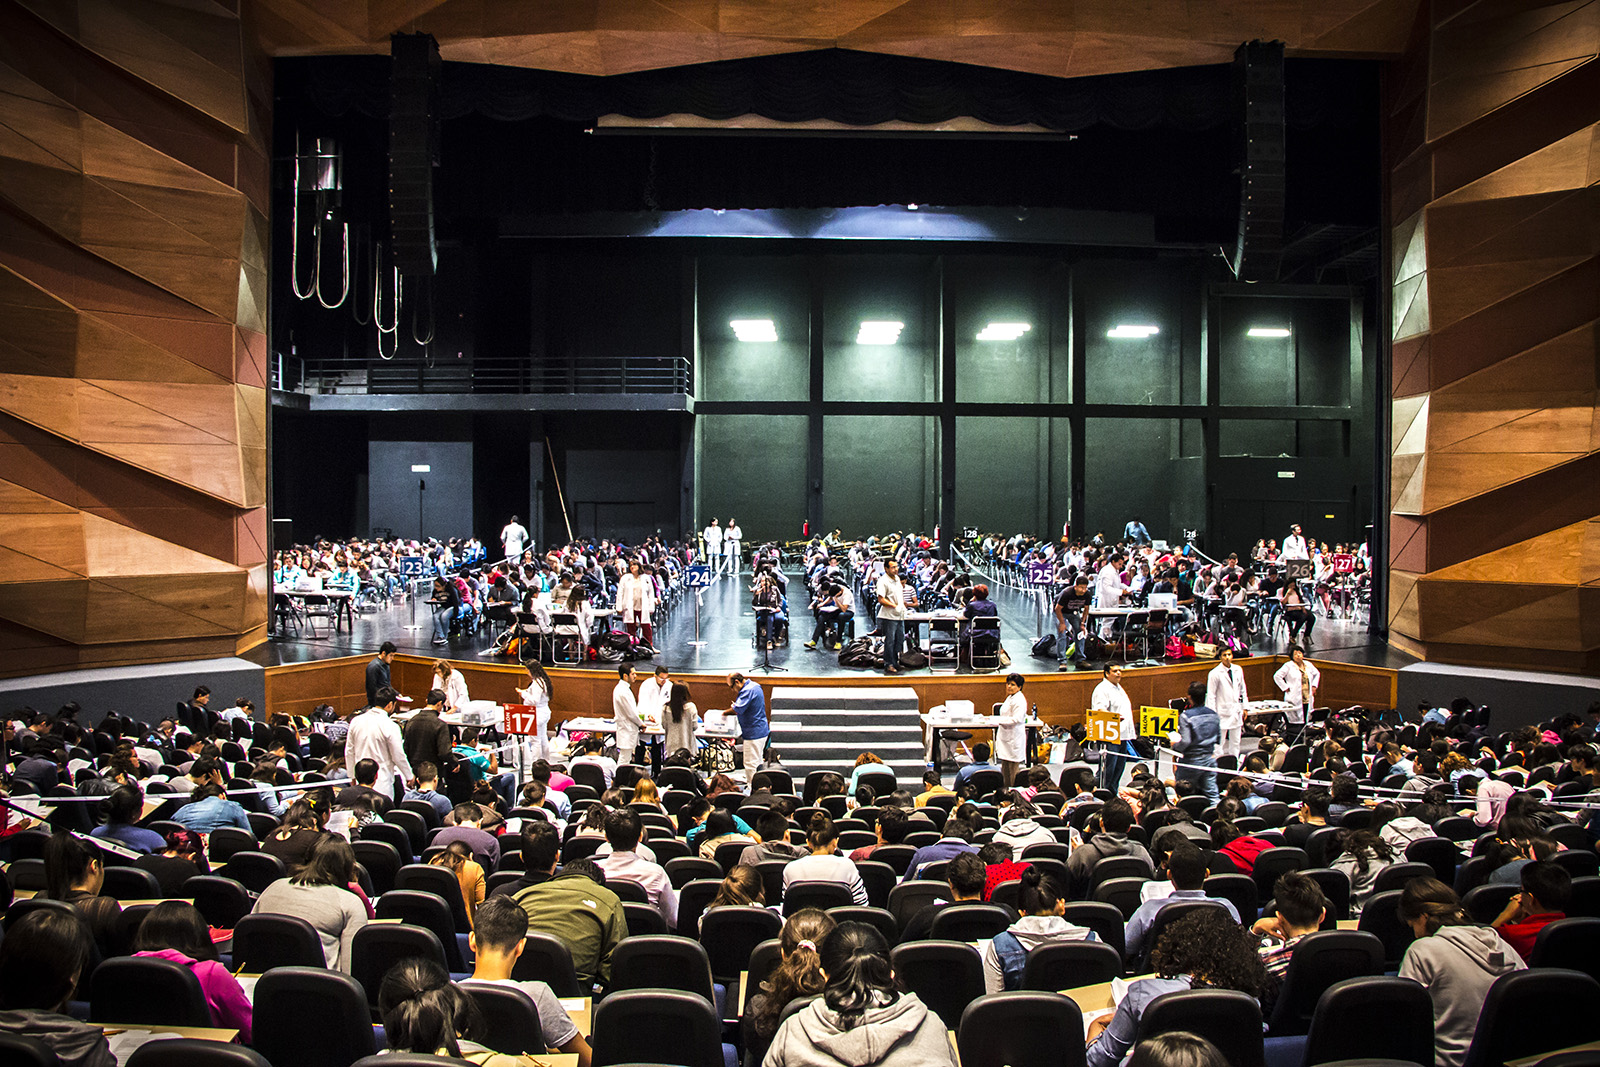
1497 827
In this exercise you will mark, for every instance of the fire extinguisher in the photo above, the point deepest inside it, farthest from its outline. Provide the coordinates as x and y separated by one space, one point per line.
805 528
936 536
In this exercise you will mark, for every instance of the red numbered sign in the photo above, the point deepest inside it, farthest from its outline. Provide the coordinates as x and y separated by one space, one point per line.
521 719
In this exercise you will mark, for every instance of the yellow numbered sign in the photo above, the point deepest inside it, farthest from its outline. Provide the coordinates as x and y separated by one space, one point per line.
1103 726
1156 721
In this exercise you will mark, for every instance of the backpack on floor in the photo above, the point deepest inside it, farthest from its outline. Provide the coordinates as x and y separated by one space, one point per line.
861 653
913 660
1045 647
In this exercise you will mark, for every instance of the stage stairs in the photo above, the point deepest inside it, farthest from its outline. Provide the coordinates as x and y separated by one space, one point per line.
825 728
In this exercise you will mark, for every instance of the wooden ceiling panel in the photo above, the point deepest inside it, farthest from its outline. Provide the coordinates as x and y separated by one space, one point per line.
1550 622
1563 426
1491 231
1456 292
1370 31
1463 100
1454 477
1556 558
1565 164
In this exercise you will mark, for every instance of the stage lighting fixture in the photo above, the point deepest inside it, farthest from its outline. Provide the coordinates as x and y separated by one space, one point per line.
754 329
1004 331
1136 332
1267 331
879 333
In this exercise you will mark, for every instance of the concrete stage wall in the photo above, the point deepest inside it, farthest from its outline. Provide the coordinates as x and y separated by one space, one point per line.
145 692
1515 698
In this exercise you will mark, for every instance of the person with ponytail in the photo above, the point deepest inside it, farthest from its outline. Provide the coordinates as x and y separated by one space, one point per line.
798 974
862 1018
1455 959
74 873
423 1011
743 887
824 864
1042 901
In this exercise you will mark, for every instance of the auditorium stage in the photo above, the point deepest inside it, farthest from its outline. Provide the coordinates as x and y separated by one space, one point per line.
726 638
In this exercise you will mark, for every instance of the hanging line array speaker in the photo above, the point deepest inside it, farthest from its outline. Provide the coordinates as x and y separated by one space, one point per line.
413 150
1258 88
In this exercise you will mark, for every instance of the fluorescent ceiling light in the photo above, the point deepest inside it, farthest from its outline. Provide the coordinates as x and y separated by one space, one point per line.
1004 331
1140 332
1267 331
879 333
754 329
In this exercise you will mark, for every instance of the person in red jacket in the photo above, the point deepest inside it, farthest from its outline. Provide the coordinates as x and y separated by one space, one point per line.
1546 888
1233 842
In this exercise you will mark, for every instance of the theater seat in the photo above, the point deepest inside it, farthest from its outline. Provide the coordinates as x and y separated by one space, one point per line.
637 1025
192 1052
1021 1029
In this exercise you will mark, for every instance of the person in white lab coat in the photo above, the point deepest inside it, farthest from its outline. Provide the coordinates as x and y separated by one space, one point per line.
731 538
375 736
536 694
625 713
712 536
1010 735
653 694
1225 694
1297 680
1110 696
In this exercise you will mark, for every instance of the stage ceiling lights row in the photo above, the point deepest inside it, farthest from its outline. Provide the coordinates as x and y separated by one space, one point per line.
1126 332
761 331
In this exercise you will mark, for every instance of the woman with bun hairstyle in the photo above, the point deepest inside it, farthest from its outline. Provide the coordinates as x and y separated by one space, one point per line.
1455 959
423 1011
1042 902
862 1018
824 864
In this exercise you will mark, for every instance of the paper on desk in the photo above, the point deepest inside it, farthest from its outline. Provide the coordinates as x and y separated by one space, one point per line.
1119 989
124 1042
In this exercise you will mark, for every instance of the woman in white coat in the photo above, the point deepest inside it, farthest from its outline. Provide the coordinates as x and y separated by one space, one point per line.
636 599
536 694
452 684
1297 680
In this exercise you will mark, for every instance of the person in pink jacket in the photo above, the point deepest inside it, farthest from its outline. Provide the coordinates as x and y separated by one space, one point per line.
175 931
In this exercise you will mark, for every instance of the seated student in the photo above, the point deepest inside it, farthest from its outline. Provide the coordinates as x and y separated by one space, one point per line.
427 788
1344 794
1518 842
497 940
575 906
954 839
743 887
891 829
424 1012
541 845
303 825
1364 857
1186 869
824 864
720 829
591 753
180 859
365 773
1313 816
772 841
980 762
1546 888
966 875
75 873
1017 827
122 810
1454 959
1078 784
482 764
320 893
457 859
210 809
624 863
41 959
1299 907
1043 902
468 829
1116 818
174 930
798 974
1205 949
932 786
862 1019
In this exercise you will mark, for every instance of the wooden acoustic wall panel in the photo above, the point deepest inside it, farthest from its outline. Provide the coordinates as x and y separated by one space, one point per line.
132 371
1496 295
601 37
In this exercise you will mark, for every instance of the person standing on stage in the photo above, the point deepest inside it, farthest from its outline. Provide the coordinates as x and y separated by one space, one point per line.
1225 694
625 713
1110 696
891 598
731 538
514 539
636 599
1294 546
373 735
1010 735
712 536
750 707
1198 732
1109 588
1297 680
1072 607
1135 533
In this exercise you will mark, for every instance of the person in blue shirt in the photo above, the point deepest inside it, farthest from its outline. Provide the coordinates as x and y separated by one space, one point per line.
427 789
955 839
1135 532
750 706
123 808
210 809
1199 730
980 762
1186 868
480 765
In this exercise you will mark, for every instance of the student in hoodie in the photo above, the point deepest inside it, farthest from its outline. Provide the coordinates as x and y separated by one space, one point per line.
174 930
1043 903
1112 840
1017 827
41 959
862 1019
1454 959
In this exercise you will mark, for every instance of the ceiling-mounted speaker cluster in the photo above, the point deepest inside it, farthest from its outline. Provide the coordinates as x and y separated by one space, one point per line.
1258 90
413 150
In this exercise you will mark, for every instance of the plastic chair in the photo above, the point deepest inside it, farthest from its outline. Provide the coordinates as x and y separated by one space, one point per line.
1485 902
684 869
145 989
222 901
1238 890
226 841
816 894
1168 915
880 918
1104 919
897 857
1560 1000
966 921
1572 944
880 880
412 823
1021 1029
1228 1019
377 947
395 835
945 975
191 1052
1335 885
382 861
643 919
1060 965
264 941
662 962
730 934
1341 1026
424 878
547 959
429 912
1579 864
1319 961
693 900
1273 862
1122 894
634 1026
511 1020
1396 875
1108 868
130 883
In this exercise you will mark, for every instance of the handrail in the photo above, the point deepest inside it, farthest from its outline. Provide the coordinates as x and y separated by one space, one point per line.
587 375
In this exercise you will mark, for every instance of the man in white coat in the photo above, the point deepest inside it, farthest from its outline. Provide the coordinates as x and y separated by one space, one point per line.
1110 696
653 693
1010 735
1294 546
1109 590
712 536
375 736
1225 694
514 539
732 537
1298 680
625 713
